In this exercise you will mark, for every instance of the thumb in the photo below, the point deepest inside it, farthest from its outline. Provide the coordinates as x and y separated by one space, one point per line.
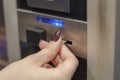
50 51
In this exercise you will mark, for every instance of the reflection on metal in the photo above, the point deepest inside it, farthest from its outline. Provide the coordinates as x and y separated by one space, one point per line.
74 30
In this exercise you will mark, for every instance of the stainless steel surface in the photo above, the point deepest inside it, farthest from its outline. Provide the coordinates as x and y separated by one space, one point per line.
57 5
74 30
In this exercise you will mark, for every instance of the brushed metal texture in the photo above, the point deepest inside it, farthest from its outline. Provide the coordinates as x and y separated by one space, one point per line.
74 30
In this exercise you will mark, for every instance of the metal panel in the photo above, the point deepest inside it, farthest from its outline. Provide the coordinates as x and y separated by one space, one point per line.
74 30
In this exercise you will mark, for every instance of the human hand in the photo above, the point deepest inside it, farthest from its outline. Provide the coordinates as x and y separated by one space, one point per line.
36 67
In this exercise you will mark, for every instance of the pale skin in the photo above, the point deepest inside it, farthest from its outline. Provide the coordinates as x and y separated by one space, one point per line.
36 67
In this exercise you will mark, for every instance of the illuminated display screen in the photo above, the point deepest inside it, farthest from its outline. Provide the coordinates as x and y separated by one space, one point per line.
54 22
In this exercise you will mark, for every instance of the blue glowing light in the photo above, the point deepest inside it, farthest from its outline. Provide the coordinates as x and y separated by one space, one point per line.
58 23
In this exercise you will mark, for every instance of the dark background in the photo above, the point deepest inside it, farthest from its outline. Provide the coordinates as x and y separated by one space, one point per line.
1 14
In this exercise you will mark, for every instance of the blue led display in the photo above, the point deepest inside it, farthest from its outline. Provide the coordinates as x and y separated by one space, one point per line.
58 23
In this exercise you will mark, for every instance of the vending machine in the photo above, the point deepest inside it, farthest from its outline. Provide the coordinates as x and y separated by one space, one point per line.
90 29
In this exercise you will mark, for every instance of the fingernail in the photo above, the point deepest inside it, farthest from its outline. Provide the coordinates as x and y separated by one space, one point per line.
56 36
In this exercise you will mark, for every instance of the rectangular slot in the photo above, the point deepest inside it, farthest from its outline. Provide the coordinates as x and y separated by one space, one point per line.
68 43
